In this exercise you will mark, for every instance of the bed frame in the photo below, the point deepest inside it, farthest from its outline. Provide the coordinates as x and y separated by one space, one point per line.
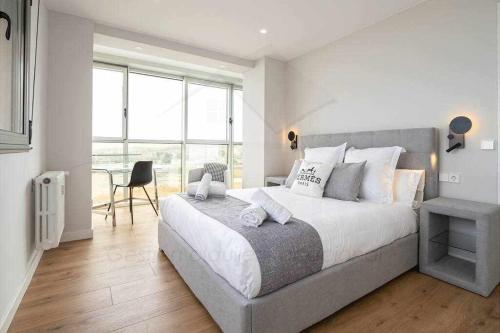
308 301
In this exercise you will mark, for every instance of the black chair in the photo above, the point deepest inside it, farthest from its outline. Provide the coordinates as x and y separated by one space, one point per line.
142 175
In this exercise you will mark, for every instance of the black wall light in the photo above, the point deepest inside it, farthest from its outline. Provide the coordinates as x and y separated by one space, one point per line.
458 127
293 139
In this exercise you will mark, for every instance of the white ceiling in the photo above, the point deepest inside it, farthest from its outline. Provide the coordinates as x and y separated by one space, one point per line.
232 26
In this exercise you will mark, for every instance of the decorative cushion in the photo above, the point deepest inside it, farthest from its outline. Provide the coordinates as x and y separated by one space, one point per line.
216 170
327 155
293 173
378 180
311 179
409 187
216 189
345 181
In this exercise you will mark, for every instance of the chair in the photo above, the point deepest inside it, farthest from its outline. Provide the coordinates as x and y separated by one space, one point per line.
142 175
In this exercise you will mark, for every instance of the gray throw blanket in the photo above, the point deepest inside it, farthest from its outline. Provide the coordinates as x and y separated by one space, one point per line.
286 253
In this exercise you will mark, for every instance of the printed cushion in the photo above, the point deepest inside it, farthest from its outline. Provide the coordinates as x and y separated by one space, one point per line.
216 170
311 179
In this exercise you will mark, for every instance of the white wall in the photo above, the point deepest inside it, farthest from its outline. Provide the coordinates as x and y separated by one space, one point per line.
70 116
419 68
18 257
264 146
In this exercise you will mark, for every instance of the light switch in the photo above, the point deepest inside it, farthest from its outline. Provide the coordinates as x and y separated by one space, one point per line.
443 177
488 144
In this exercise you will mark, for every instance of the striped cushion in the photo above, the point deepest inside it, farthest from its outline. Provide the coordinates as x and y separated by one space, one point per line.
216 170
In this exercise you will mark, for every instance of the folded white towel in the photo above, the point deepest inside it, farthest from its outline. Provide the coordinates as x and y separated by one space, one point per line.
276 211
202 192
216 189
253 215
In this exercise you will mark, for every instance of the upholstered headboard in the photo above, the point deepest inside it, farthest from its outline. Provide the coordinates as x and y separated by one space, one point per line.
421 144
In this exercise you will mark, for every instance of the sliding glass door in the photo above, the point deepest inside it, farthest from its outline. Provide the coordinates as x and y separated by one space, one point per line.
177 122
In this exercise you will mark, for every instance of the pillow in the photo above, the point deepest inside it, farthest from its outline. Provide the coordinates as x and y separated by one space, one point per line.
216 189
409 187
216 170
378 179
311 179
345 181
293 173
326 155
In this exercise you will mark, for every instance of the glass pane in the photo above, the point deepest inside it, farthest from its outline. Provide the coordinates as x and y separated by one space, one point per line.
11 65
155 108
237 166
198 155
107 103
206 112
237 116
166 159
106 155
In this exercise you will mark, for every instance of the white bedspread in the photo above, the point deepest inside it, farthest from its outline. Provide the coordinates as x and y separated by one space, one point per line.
347 230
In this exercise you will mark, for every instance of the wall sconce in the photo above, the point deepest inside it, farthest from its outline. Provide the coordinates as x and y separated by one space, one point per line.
458 127
293 139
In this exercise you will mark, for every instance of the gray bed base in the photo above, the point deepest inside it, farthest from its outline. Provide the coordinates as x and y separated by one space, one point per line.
308 301
296 306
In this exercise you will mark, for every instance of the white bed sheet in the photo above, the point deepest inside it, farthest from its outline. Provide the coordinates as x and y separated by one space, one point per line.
346 229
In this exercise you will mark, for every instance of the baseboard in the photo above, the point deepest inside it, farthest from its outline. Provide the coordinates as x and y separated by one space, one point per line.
69 236
33 264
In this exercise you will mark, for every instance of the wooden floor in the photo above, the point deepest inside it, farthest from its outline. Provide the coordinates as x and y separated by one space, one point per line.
120 282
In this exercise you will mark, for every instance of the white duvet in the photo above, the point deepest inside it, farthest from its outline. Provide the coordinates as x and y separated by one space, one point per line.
346 229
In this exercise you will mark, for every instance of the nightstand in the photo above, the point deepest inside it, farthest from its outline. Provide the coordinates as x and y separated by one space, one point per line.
275 181
460 243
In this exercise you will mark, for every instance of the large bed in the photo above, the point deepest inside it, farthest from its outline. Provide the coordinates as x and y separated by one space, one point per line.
364 245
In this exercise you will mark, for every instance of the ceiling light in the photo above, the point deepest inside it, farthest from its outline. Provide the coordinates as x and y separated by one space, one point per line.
263 31
138 48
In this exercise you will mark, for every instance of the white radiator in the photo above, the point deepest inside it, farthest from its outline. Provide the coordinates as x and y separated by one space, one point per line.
49 209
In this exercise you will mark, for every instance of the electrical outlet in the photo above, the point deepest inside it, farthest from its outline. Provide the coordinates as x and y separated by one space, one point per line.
488 144
454 177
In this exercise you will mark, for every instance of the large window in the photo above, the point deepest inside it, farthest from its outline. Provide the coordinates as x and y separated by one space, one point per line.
155 108
178 123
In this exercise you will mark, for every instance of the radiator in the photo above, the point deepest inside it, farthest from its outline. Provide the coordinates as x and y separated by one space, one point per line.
49 208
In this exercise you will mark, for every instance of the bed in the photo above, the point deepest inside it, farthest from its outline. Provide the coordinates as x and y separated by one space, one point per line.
380 244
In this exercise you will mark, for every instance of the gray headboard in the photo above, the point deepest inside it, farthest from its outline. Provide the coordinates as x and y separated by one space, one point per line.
421 144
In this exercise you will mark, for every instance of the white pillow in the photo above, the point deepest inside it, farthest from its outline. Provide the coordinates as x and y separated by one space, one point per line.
326 155
407 185
311 179
380 166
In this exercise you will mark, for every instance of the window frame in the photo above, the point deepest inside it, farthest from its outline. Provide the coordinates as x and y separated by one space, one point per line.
186 80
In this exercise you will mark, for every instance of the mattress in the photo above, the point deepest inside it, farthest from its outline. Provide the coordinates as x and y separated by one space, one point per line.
346 229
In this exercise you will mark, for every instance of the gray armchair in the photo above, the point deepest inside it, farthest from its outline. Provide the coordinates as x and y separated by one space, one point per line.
195 175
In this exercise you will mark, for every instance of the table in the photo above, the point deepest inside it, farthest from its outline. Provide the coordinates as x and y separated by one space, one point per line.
110 169
275 180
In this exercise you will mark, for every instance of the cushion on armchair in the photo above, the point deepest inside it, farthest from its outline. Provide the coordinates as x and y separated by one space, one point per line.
216 170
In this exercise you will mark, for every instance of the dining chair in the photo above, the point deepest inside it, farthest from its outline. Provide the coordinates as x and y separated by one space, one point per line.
142 175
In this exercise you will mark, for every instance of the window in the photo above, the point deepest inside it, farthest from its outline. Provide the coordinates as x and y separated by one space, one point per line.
207 112
178 123
155 108
167 159
107 102
237 116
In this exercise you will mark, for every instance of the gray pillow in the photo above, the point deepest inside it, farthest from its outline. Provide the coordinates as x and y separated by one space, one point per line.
293 174
345 181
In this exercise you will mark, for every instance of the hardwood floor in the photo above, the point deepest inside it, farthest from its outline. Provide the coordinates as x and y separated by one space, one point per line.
120 282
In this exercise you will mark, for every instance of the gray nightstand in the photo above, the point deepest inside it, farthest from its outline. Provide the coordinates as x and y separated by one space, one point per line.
275 180
460 243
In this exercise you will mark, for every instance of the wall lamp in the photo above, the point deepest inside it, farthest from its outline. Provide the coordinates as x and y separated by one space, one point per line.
293 139
458 127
